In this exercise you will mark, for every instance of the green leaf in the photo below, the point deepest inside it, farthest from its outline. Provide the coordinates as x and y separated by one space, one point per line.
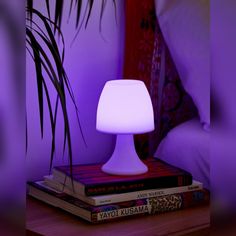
71 5
30 7
38 68
115 9
59 88
103 5
79 6
58 13
48 8
89 11
61 72
63 106
53 126
26 132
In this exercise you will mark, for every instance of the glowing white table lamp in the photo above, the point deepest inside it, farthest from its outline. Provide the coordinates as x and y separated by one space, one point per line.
125 108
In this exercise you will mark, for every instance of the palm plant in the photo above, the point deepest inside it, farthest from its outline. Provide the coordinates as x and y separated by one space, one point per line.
42 35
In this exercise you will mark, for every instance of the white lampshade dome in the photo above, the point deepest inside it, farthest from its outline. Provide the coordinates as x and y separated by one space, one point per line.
125 107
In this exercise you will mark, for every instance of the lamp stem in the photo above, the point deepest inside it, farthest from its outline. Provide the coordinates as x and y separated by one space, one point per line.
125 145
124 160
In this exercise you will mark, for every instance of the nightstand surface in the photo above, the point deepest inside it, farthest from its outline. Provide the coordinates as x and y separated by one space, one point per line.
46 220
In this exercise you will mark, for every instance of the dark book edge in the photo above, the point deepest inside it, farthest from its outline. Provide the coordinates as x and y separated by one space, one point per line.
182 179
144 184
108 212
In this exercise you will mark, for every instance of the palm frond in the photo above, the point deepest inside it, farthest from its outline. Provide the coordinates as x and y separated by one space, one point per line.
78 13
44 60
30 8
89 11
56 76
58 13
48 8
115 9
53 127
38 68
54 133
103 5
71 5
26 132
49 66
61 71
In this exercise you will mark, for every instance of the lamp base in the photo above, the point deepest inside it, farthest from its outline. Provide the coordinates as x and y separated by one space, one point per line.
124 160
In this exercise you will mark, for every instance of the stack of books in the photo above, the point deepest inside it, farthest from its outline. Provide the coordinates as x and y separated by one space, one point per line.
97 197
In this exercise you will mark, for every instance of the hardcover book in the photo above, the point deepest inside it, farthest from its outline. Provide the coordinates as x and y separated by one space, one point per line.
96 214
91 181
121 197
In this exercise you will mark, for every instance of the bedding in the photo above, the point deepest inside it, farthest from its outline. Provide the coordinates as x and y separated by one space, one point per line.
185 27
187 147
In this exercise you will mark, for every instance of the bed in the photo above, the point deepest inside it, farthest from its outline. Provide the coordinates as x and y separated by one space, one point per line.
187 146
187 38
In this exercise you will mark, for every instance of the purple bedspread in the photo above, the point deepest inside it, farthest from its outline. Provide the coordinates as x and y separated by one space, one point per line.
187 146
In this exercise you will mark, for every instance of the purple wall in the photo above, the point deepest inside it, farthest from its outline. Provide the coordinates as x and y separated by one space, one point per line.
93 59
223 85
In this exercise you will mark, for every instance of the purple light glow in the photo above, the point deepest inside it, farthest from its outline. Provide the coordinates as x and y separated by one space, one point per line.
125 107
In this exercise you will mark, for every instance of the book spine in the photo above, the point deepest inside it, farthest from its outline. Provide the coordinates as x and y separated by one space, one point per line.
144 184
116 198
122 197
67 181
50 182
150 206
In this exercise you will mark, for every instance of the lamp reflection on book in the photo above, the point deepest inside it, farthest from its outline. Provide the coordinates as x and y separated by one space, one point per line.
125 108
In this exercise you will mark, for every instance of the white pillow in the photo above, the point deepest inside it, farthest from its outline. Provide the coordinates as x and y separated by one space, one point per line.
185 27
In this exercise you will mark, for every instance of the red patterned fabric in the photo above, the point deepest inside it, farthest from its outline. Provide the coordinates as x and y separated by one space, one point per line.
139 44
144 47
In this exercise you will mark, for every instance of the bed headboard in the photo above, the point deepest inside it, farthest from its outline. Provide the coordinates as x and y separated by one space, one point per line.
148 59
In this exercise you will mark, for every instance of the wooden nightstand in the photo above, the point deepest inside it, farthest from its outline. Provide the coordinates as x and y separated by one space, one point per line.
43 219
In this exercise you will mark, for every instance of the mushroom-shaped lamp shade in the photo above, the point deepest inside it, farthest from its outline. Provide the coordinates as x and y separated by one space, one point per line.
125 108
